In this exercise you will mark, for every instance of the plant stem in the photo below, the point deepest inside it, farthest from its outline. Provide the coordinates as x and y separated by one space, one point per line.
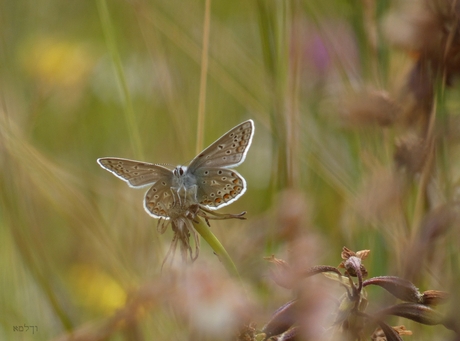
130 117
203 229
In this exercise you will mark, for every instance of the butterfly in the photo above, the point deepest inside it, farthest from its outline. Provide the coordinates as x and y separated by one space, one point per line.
208 180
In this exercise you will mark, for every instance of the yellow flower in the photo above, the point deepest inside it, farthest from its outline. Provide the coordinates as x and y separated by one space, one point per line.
95 289
55 62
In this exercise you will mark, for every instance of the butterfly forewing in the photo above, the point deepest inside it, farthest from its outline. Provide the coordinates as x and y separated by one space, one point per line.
135 173
228 151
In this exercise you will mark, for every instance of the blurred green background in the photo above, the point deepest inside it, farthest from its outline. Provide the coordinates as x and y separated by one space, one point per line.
86 79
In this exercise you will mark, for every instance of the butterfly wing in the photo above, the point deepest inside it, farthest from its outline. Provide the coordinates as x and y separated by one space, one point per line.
159 200
228 151
218 187
136 173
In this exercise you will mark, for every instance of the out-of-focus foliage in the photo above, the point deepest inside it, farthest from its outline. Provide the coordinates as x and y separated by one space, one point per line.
356 143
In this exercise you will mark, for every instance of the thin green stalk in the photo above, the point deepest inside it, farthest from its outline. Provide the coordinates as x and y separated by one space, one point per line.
274 40
27 248
203 76
203 229
130 117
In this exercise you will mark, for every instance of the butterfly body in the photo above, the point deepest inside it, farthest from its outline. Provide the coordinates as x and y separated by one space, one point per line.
208 180
182 178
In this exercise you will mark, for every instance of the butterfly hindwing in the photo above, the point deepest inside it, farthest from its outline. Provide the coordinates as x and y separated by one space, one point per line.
135 173
159 199
218 187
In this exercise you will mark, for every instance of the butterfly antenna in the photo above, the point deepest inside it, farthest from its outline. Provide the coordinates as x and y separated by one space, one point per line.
167 165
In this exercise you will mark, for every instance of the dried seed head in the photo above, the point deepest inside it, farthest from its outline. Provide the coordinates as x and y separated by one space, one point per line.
380 335
410 154
369 107
427 30
380 194
434 225
434 297
437 222
292 214
183 214
282 274
414 28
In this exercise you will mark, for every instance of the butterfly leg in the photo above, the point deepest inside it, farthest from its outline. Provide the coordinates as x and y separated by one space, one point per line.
191 193
176 196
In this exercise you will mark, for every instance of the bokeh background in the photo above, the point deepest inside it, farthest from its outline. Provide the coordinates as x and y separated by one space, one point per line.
355 105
